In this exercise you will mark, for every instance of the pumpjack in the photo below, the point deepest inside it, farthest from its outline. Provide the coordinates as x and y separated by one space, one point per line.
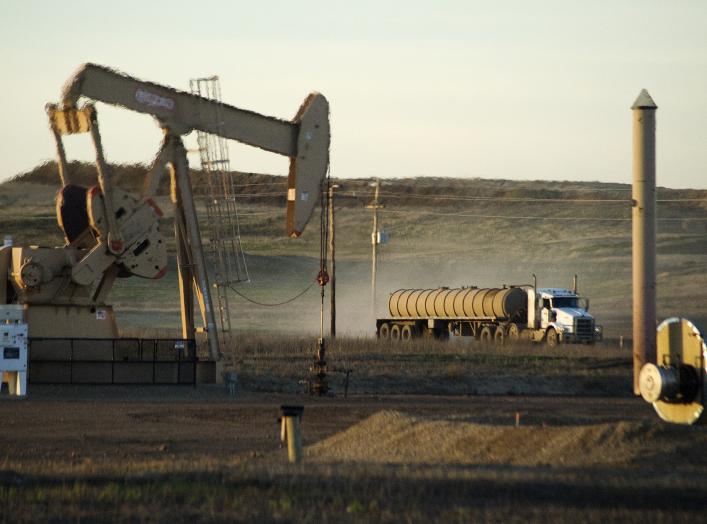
110 232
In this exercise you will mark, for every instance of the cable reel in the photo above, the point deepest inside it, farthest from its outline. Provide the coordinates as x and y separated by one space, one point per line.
675 384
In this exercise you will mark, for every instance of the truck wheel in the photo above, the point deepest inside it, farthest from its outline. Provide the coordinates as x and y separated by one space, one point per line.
384 331
486 336
513 335
499 337
551 338
395 333
405 333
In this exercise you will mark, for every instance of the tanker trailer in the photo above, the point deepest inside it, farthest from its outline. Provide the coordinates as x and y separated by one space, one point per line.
499 315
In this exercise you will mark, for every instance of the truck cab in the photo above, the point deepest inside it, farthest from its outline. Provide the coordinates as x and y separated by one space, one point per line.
564 317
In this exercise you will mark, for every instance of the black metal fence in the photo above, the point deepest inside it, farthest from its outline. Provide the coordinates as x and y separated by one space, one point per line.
112 361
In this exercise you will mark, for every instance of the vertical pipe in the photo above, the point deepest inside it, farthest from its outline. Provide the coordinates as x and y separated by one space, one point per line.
332 255
294 439
291 430
644 234
374 246
322 264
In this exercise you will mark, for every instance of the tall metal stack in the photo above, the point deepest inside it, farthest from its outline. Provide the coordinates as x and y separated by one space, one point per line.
221 224
644 235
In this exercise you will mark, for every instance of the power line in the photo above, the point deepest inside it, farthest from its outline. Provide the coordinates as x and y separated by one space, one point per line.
470 184
416 185
357 194
476 215
506 217
681 200
274 212
274 193
504 199
261 183
522 199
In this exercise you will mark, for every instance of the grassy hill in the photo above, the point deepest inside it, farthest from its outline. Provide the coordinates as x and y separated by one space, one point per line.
443 231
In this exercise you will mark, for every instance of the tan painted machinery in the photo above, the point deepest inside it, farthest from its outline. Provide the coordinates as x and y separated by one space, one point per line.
675 384
112 233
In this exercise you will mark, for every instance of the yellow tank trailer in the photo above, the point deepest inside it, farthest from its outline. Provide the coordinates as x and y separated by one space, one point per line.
507 314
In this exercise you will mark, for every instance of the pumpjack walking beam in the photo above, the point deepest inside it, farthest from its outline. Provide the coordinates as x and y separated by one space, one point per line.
305 140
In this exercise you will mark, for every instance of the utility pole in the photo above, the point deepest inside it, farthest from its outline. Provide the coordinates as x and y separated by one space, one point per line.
374 207
644 234
332 257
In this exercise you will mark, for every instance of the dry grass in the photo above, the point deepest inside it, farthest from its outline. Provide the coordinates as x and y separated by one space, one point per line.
426 250
280 363
351 494
389 468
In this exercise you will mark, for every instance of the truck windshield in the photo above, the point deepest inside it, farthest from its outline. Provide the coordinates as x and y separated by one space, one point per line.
565 302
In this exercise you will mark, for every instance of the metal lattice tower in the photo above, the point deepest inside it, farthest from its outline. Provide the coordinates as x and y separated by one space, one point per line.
221 224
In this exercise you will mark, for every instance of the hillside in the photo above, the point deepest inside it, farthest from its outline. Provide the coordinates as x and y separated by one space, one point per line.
443 231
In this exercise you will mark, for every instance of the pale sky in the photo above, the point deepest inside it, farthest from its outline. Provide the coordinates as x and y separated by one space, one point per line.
493 89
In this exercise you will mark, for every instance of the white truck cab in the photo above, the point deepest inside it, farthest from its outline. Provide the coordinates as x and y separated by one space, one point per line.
564 317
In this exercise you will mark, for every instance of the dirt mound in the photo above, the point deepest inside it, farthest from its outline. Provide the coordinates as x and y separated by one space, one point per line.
394 437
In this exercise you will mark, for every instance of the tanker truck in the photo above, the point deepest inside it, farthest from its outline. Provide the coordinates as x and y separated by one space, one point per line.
493 315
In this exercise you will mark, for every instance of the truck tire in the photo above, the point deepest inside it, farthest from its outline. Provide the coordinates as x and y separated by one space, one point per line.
406 333
551 338
395 333
513 335
384 331
486 335
499 337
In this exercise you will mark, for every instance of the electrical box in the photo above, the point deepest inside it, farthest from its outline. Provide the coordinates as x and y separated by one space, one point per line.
13 348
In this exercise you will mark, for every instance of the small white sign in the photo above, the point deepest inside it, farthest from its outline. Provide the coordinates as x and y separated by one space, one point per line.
101 314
